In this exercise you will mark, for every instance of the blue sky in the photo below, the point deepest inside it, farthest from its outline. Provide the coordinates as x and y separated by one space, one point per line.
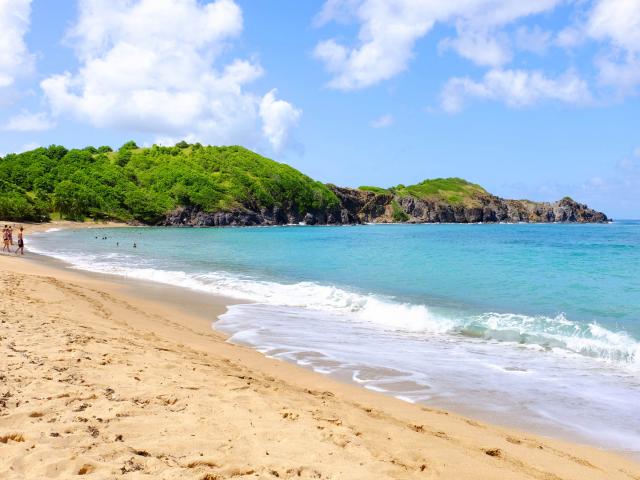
529 99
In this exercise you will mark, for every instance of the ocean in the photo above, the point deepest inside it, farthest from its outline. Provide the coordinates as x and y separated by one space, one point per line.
529 325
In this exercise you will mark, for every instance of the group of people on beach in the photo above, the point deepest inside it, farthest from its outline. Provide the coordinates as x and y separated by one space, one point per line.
7 240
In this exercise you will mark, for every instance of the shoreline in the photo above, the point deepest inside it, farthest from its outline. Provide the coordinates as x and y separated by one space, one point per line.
414 426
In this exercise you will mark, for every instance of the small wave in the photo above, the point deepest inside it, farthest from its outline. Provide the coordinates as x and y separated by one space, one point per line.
557 332
545 333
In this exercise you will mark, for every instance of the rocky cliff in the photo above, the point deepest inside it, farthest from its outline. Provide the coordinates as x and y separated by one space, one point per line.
361 206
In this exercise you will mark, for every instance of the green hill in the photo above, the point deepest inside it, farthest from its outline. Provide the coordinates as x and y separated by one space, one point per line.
143 184
454 191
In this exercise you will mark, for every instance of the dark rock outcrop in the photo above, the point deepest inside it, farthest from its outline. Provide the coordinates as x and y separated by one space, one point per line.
360 206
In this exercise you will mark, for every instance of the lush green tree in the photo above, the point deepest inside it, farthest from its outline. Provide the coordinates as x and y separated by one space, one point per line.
145 207
56 152
123 156
129 145
73 200
17 204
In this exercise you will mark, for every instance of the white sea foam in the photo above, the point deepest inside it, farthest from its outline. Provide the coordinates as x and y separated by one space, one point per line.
546 333
566 392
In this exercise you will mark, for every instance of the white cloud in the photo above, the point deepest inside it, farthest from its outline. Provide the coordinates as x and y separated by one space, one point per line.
29 122
617 21
516 88
389 30
15 59
383 121
154 66
278 118
533 40
620 72
569 37
341 11
480 48
616 24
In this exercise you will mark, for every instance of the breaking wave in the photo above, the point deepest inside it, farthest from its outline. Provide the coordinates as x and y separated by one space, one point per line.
555 333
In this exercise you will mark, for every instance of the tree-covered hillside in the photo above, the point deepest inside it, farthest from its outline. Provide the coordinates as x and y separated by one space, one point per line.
143 184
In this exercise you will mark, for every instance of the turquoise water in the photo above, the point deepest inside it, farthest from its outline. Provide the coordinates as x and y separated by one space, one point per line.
538 324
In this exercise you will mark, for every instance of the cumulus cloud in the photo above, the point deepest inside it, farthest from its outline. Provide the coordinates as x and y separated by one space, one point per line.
617 21
389 30
516 88
29 122
480 48
489 33
155 66
616 24
15 59
383 121
278 118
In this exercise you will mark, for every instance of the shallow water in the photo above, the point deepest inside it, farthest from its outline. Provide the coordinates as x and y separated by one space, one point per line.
536 326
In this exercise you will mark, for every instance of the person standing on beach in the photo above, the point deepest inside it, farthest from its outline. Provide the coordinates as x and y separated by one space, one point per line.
20 242
10 236
5 239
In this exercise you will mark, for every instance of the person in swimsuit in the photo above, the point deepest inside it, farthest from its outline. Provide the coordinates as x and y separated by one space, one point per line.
20 242
5 239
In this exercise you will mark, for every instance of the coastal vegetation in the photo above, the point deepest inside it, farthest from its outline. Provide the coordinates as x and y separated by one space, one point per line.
192 184
142 184
454 191
397 214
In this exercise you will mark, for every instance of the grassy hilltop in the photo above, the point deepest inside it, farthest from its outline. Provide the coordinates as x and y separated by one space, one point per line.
454 191
142 184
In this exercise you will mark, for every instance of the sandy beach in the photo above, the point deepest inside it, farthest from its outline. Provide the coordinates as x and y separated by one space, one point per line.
102 379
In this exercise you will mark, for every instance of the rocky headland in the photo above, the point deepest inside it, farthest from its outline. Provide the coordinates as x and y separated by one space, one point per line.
358 206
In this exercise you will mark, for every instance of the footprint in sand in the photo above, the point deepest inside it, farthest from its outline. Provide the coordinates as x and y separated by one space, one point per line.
13 437
86 469
290 416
